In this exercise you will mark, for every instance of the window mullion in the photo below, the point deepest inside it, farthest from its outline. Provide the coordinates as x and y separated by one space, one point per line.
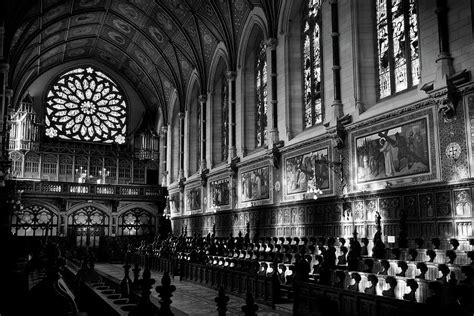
391 58
406 18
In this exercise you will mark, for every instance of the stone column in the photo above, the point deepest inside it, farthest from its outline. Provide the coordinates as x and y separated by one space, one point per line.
445 61
163 166
202 102
181 145
232 132
336 68
272 109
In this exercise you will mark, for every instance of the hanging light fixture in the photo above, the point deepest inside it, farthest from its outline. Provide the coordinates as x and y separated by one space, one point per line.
146 140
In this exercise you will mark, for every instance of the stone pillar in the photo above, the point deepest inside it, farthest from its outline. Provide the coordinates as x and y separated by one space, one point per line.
232 132
163 166
169 148
272 114
336 68
444 60
202 102
181 145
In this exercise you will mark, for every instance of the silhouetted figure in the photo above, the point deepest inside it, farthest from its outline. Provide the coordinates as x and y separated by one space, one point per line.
451 254
444 273
341 259
353 255
369 265
363 249
392 283
340 279
431 255
413 285
454 243
372 278
356 277
403 267
423 269
385 267
413 253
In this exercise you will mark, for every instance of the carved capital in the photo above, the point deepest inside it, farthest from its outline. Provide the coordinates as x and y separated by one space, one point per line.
4 67
272 43
181 115
202 98
230 75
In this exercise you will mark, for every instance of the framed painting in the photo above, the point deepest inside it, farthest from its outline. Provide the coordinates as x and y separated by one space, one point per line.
193 199
255 184
399 151
219 192
303 167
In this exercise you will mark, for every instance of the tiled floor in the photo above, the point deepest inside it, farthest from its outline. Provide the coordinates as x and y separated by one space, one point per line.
196 300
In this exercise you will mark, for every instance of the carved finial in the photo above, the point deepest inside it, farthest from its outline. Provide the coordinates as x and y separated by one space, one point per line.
145 307
250 308
166 292
221 301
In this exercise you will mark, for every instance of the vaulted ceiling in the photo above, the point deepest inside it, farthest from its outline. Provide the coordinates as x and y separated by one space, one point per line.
155 45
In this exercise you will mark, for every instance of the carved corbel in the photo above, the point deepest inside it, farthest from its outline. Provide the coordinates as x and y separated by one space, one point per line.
203 175
275 155
447 98
181 184
340 134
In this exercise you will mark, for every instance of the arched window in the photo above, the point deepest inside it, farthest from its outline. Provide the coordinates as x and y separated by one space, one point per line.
261 94
136 222
85 104
398 50
87 225
34 220
312 64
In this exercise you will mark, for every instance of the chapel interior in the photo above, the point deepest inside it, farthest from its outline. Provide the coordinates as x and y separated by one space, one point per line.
237 157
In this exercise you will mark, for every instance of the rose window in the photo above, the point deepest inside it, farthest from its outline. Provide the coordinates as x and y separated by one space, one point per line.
84 104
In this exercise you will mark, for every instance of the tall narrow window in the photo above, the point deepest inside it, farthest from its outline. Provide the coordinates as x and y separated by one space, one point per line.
261 84
225 118
312 64
398 50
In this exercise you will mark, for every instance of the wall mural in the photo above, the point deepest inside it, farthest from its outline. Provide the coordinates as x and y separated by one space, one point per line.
255 184
299 170
193 199
395 152
219 193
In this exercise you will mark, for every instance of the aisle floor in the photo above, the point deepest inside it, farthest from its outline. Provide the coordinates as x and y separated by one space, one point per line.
194 299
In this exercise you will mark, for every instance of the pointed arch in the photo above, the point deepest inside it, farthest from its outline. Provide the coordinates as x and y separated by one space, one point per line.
193 125
252 69
219 106
256 19
220 54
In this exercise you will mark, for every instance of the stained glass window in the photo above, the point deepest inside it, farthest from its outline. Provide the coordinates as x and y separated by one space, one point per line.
85 104
261 84
398 50
87 225
136 222
312 64
225 118
34 220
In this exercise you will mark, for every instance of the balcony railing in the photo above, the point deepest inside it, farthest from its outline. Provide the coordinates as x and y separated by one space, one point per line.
150 192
